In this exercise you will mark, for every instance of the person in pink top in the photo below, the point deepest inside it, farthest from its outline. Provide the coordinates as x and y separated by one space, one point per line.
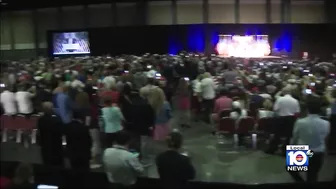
221 103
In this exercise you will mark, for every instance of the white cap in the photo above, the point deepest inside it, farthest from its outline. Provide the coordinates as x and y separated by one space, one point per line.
236 104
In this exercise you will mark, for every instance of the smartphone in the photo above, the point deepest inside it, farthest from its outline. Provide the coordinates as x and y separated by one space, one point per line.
186 78
308 91
43 186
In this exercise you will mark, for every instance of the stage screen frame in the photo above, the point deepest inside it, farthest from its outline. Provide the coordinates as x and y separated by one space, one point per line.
86 43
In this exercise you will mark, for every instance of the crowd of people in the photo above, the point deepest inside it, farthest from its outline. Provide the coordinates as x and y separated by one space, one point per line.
129 99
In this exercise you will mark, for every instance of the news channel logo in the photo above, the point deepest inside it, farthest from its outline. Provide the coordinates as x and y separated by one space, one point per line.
297 157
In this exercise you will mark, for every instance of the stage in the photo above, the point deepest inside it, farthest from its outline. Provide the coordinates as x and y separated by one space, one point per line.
261 57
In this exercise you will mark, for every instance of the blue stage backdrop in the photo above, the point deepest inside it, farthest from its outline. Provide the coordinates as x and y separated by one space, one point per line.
293 39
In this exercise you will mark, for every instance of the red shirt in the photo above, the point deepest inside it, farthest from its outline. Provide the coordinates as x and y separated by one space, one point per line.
113 94
4 182
222 103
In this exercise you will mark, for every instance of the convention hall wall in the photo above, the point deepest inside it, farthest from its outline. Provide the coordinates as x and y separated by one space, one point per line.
24 33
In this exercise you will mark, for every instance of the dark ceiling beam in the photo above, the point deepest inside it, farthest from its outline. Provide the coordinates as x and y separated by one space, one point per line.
9 5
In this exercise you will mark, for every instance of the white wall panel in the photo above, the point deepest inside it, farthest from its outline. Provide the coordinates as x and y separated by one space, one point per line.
23 30
189 12
252 11
275 11
307 12
100 15
47 19
5 35
73 17
221 11
160 13
126 14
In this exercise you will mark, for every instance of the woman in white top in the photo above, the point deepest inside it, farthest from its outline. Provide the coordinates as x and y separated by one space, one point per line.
24 98
237 114
237 111
267 111
8 102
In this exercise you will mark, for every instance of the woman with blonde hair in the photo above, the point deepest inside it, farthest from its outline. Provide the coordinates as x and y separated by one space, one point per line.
162 110
267 109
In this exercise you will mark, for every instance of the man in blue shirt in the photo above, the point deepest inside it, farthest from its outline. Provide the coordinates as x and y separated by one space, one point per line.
312 131
65 105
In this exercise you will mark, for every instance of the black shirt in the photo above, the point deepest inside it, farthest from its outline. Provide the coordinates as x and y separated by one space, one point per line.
174 169
78 140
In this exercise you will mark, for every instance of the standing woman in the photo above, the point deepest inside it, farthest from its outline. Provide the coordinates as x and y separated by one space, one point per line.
85 109
112 119
183 103
162 109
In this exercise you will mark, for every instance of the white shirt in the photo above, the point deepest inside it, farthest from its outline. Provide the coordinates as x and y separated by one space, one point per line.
108 81
265 114
24 100
286 106
312 131
196 87
121 166
208 89
8 102
234 115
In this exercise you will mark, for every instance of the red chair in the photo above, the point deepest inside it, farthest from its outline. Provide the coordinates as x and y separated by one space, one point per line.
245 125
20 122
32 126
7 123
265 125
226 125
224 113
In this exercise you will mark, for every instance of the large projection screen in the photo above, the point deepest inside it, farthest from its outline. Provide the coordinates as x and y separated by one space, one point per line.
243 46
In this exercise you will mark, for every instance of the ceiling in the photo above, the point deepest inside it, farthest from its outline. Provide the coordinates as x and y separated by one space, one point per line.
34 4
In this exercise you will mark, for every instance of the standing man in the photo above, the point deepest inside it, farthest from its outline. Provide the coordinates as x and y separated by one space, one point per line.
312 131
50 129
208 95
286 108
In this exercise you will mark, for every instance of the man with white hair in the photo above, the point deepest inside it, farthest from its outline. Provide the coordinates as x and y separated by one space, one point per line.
208 94
286 108
286 105
144 91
